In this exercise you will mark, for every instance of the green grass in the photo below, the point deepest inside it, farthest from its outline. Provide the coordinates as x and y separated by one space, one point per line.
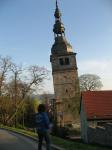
65 144
69 145
24 132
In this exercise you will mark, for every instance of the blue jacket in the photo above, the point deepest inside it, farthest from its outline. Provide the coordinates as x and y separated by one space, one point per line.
42 121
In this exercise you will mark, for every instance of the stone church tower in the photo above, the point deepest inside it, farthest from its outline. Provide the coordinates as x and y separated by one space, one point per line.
65 75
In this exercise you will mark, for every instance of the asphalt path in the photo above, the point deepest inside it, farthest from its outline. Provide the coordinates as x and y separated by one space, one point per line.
13 141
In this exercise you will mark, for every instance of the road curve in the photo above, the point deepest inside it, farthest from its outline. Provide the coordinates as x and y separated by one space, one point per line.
13 141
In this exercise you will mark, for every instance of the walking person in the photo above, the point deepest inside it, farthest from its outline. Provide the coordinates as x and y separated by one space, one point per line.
43 126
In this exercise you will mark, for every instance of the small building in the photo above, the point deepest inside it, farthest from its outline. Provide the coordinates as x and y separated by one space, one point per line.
95 111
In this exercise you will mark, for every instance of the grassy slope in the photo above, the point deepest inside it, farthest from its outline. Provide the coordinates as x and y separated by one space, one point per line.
67 145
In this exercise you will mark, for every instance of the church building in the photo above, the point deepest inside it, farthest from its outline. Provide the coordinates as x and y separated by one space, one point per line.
65 75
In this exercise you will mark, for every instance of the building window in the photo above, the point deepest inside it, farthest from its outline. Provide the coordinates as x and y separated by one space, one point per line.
68 106
64 61
67 62
66 91
61 61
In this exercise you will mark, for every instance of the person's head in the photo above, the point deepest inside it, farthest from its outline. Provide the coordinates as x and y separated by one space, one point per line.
41 108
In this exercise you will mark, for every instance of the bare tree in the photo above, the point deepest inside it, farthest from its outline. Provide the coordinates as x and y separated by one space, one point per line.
16 71
15 87
14 83
6 109
5 64
38 74
90 82
34 77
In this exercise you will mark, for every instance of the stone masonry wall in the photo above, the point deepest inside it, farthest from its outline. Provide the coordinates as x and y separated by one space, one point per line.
101 135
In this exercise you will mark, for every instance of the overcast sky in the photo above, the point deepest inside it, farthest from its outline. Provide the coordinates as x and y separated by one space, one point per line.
26 34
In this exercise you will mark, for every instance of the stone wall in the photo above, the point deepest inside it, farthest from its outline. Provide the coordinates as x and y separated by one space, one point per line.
101 135
67 94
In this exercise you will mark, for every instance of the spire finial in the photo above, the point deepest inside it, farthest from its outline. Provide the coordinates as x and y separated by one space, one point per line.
57 11
58 26
56 4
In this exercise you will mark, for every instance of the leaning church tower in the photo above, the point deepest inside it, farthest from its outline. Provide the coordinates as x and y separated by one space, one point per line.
65 75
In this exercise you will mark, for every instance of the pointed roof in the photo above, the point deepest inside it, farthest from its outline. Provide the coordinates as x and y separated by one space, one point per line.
61 45
57 13
58 26
97 104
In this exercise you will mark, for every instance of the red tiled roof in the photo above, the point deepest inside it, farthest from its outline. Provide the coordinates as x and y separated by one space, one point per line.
97 104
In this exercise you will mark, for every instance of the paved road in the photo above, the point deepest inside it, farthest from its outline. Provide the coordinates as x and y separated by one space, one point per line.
13 141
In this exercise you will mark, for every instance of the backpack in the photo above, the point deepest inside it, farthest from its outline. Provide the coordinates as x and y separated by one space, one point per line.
42 121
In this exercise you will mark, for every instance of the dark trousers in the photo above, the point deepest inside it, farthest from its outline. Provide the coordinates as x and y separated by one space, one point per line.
44 135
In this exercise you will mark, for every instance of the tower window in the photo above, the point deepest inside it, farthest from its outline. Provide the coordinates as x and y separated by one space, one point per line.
68 105
64 61
67 62
61 61
66 91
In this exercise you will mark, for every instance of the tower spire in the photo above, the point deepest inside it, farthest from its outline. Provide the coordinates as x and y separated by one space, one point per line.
56 4
65 74
58 29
